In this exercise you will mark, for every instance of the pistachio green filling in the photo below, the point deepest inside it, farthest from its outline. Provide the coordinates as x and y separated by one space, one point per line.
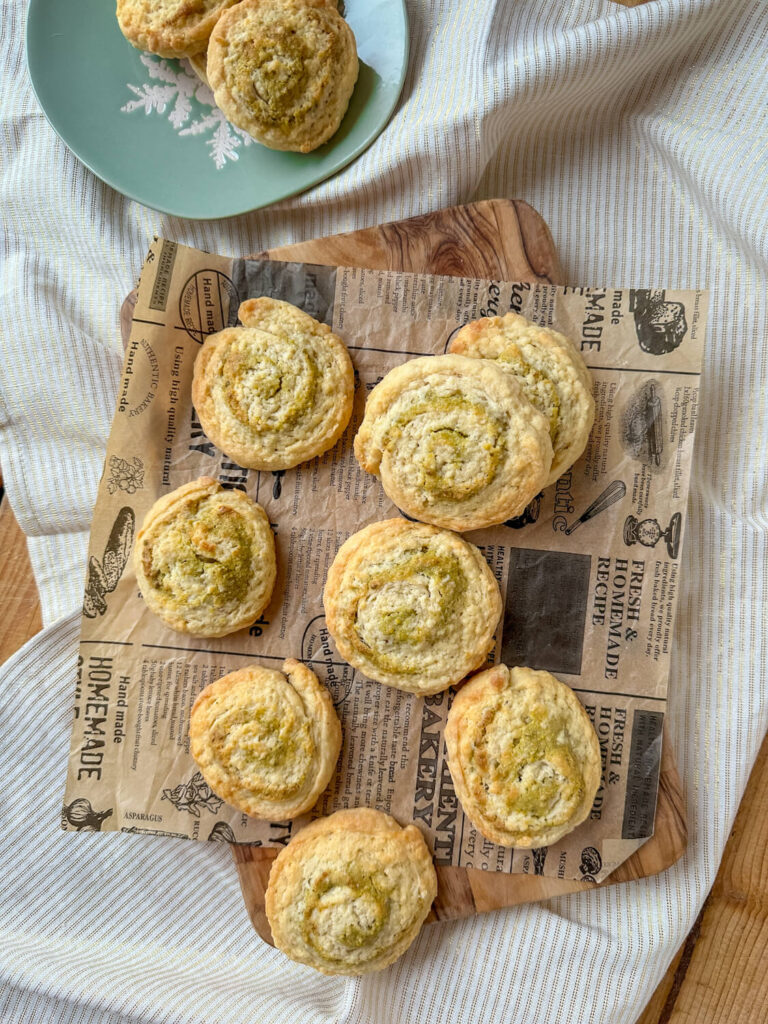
534 746
211 556
406 626
268 391
282 77
278 745
349 907
470 436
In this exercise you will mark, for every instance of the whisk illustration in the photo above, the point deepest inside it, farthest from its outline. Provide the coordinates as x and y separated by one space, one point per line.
613 492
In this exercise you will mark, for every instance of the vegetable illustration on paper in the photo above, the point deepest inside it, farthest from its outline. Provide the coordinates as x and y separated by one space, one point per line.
590 864
192 795
124 475
81 817
104 574
222 833
182 94
539 856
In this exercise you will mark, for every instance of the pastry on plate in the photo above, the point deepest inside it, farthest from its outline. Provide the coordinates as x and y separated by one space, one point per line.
455 442
266 741
523 755
276 391
205 559
283 70
199 64
350 892
551 371
411 605
169 28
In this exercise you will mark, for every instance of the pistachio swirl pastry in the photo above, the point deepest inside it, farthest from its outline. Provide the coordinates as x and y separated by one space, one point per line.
199 64
455 442
523 755
283 70
551 371
350 892
267 742
411 606
276 391
205 559
169 28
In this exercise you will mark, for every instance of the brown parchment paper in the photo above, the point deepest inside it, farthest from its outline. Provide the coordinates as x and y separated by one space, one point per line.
589 572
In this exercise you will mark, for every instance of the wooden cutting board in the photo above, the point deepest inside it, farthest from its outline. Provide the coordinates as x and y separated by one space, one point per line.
504 240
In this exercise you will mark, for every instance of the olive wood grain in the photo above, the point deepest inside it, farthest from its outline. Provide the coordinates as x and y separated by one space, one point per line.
501 240
20 602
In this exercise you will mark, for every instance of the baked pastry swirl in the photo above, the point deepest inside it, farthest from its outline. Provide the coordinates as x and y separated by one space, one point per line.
267 742
169 28
350 892
275 392
283 70
551 371
523 755
455 442
199 64
411 606
205 559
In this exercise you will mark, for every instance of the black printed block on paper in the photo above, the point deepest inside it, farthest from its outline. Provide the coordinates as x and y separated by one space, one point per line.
643 774
546 609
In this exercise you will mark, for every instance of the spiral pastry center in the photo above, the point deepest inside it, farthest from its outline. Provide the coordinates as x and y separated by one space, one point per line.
450 442
280 79
204 555
269 384
282 73
267 744
527 771
345 910
407 606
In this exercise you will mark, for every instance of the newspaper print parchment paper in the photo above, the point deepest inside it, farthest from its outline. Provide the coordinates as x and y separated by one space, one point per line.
589 572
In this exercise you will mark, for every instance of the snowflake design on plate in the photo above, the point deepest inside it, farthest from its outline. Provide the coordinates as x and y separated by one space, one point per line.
173 87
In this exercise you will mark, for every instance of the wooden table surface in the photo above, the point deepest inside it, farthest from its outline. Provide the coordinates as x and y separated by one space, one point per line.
719 976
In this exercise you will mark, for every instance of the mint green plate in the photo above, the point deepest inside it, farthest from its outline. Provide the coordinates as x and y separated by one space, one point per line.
149 128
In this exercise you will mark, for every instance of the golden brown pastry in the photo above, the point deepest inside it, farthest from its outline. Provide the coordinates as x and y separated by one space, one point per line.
199 64
550 370
169 28
275 392
455 442
350 892
205 559
411 606
283 70
523 755
267 742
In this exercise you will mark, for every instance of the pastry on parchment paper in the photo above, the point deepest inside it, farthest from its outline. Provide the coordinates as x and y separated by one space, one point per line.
455 442
205 559
523 755
283 70
350 892
549 368
169 28
266 741
275 392
411 605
